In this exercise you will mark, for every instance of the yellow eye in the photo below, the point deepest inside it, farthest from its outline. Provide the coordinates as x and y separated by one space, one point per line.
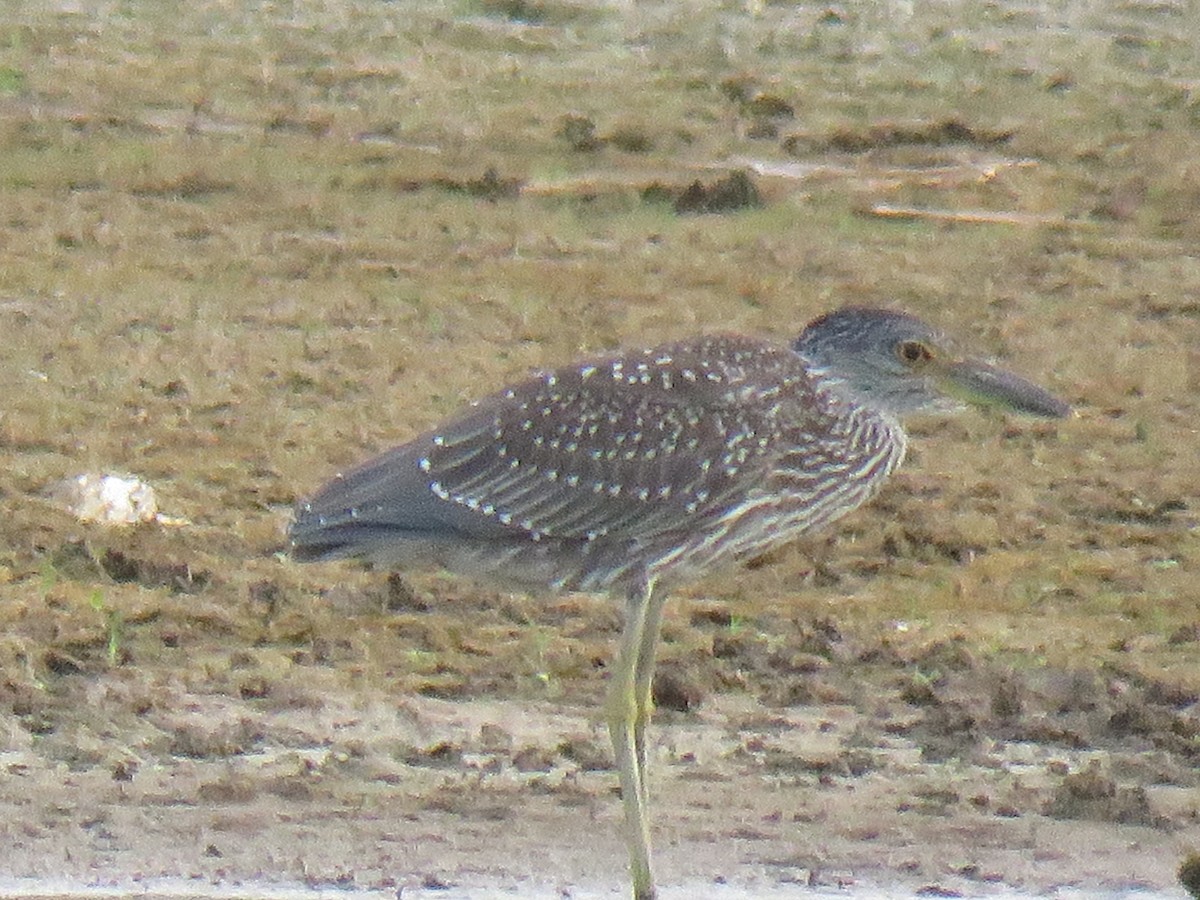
914 352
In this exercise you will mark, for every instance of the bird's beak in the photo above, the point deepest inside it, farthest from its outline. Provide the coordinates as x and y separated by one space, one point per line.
983 385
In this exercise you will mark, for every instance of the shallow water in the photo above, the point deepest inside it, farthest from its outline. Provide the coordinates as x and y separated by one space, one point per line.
184 889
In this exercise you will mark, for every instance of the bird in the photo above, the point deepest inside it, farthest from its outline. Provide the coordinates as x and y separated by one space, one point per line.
629 473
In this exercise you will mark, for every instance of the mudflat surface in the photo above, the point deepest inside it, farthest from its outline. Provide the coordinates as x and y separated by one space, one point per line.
244 248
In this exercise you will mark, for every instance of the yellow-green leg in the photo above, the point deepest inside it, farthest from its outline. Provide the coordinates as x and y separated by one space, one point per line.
628 710
644 682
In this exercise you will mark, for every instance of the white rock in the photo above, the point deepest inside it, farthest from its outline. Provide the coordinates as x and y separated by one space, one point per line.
110 499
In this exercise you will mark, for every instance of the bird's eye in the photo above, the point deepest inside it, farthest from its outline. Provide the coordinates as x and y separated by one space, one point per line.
914 352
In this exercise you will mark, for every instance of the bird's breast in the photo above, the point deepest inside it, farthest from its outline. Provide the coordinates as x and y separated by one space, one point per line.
826 473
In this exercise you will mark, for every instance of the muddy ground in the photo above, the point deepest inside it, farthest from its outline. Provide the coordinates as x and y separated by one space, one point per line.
245 246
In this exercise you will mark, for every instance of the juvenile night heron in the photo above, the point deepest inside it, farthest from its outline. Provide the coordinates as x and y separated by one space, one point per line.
629 473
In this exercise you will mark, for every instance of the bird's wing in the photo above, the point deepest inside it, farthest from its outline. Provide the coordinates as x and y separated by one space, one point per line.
625 447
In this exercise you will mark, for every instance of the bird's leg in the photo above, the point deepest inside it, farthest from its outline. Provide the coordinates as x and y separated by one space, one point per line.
622 711
644 681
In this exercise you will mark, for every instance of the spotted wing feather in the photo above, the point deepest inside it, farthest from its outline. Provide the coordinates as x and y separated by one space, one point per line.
624 447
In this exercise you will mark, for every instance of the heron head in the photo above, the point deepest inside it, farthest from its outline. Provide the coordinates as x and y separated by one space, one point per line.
897 364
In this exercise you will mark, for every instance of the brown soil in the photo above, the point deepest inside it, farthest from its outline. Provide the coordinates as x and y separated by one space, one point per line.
244 248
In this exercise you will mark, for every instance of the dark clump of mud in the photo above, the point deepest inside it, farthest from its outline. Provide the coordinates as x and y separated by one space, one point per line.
178 577
1189 874
939 133
1092 795
736 191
